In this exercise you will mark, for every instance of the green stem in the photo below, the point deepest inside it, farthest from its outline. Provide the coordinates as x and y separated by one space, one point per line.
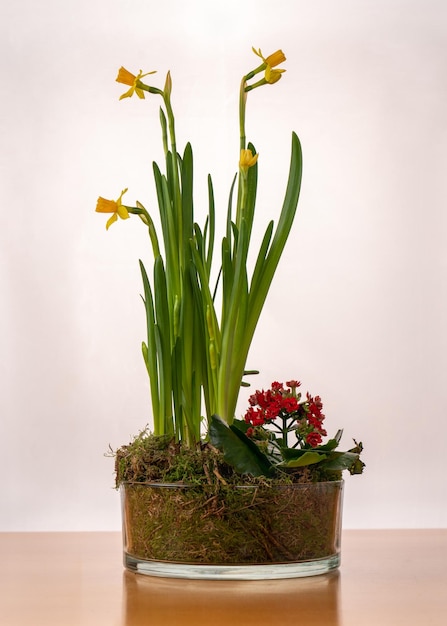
242 107
148 88
147 220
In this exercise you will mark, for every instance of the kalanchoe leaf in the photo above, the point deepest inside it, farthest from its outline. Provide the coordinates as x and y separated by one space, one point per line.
294 453
241 425
338 436
308 458
238 450
358 447
357 467
339 461
332 443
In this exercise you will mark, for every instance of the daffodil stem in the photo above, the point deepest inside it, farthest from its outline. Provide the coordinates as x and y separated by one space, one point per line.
260 68
242 183
242 107
148 88
147 220
258 84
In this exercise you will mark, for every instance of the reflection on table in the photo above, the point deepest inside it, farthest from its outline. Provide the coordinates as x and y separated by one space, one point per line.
311 601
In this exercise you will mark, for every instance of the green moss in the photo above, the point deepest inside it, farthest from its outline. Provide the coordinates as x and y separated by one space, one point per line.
160 459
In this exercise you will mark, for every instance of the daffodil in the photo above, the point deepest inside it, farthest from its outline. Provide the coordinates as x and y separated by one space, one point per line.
247 160
179 297
273 59
272 75
126 78
113 206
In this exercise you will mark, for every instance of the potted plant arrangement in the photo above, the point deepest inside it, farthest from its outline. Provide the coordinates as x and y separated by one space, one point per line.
204 494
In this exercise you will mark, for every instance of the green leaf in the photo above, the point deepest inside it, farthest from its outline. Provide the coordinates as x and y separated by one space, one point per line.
187 196
292 453
357 467
308 458
332 443
212 225
238 450
241 425
150 352
339 461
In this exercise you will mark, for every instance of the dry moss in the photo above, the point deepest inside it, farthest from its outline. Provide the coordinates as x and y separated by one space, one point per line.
258 524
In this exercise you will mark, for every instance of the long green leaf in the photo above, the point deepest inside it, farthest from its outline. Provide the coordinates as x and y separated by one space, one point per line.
187 201
163 341
211 225
150 354
259 290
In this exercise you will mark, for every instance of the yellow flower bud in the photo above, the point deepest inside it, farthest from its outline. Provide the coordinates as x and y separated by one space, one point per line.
272 76
168 84
276 58
247 160
213 358
209 322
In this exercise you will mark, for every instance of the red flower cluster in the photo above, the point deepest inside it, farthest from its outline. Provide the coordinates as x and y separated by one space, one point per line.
265 406
315 419
270 404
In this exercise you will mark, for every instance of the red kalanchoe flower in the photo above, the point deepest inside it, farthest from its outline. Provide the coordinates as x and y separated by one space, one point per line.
252 400
266 406
289 404
277 386
268 403
314 439
314 407
315 418
254 417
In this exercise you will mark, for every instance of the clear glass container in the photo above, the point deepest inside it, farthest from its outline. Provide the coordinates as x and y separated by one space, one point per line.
232 533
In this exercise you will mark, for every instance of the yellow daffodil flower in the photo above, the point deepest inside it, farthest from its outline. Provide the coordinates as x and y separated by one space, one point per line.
126 78
247 160
273 59
271 75
112 206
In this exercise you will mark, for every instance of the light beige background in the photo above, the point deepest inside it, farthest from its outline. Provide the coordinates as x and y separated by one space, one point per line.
358 307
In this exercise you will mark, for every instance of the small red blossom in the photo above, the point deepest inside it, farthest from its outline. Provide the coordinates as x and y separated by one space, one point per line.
277 386
253 400
289 404
293 384
254 417
314 439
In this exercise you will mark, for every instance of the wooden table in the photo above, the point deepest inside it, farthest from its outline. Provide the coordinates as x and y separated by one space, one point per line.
387 578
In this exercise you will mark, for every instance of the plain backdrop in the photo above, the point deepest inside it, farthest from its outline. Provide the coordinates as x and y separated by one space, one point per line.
358 307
